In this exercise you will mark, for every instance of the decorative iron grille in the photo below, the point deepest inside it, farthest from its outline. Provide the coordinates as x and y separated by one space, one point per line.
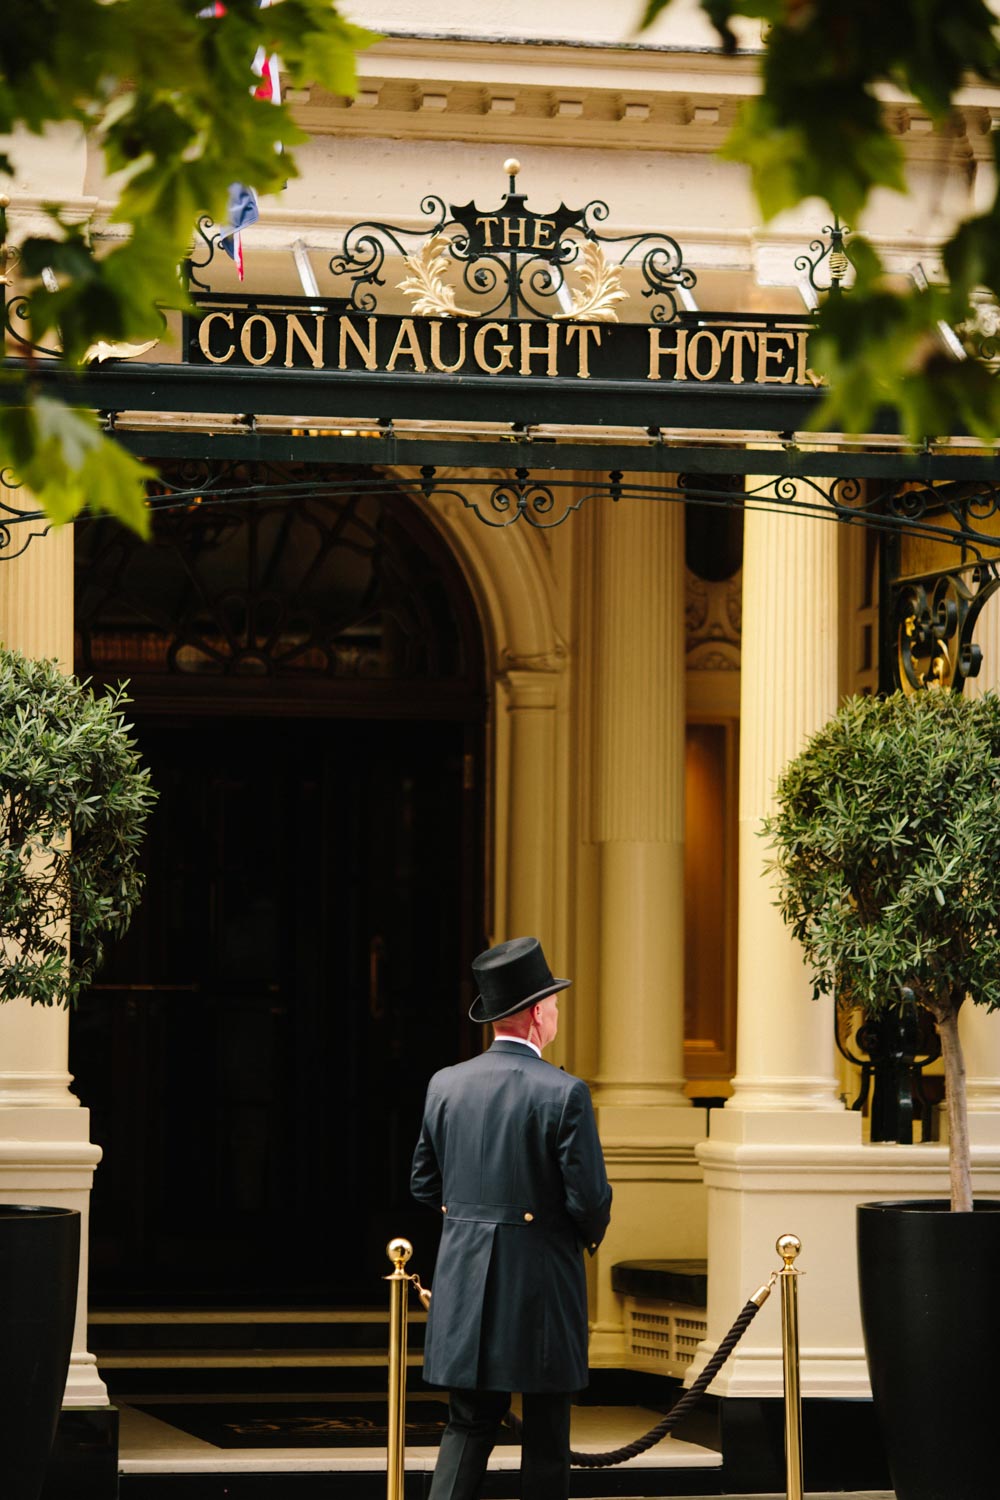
350 584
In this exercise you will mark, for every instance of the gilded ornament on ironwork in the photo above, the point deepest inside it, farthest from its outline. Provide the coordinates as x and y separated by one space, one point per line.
426 283
594 302
600 288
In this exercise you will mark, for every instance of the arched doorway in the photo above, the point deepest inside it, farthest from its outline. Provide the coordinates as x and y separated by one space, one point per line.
307 676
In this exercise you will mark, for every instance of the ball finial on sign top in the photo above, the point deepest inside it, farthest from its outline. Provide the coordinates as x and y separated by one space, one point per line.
512 166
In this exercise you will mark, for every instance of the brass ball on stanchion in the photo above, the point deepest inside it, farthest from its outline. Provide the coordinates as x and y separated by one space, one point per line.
399 1252
788 1247
512 166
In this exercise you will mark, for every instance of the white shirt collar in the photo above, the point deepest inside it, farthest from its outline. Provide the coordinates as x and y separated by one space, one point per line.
504 1036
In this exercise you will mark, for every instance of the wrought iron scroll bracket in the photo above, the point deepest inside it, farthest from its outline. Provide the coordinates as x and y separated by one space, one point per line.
826 268
206 242
521 498
12 516
934 620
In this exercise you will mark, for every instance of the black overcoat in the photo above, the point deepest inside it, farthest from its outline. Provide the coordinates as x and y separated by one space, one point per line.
509 1153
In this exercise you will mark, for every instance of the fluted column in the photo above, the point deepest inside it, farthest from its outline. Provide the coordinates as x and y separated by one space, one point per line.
784 1155
788 689
46 1156
636 809
638 801
980 1031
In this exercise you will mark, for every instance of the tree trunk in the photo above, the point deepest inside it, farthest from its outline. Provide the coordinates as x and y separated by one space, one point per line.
959 1162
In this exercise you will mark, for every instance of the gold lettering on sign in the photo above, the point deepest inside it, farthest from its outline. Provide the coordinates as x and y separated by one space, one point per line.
545 234
515 231
739 338
205 335
678 351
549 348
802 340
312 347
503 351
765 353
487 221
584 331
436 359
270 340
407 343
714 354
348 332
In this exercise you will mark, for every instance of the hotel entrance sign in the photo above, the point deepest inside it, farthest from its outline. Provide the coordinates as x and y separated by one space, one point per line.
502 290
704 350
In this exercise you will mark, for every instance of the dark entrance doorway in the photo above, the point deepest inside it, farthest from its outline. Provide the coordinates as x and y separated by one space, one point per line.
308 693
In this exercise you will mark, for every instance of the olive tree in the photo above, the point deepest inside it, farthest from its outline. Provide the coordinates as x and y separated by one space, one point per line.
887 872
74 802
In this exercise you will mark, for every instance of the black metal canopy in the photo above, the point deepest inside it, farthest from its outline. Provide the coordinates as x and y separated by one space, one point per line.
511 355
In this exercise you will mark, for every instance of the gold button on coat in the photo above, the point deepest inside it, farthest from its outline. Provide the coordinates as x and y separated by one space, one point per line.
528 1218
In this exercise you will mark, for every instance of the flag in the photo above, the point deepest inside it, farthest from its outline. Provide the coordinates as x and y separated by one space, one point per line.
265 65
244 209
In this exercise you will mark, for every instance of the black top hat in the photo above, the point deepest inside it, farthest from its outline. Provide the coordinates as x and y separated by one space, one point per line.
512 976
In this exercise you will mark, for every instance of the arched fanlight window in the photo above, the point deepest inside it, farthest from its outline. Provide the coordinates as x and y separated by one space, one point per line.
318 575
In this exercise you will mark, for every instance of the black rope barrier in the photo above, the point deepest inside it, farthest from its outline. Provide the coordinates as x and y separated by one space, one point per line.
677 1412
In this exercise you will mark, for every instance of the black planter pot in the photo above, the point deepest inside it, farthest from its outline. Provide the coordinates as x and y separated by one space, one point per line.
39 1265
930 1308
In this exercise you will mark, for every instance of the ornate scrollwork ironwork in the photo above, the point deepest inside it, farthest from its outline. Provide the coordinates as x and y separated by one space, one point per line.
17 325
16 532
541 505
934 619
301 584
833 251
512 260
365 248
206 242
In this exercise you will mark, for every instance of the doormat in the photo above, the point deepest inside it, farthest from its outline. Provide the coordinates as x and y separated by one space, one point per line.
299 1424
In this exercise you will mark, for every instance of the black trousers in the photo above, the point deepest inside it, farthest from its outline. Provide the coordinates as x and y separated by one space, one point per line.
474 1419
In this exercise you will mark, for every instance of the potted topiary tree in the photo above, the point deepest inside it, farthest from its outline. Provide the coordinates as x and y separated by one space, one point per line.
74 802
887 868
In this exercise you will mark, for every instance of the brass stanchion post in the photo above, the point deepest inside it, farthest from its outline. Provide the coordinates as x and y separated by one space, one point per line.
399 1252
788 1247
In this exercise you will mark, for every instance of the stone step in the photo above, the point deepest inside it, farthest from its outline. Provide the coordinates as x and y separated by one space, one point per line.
160 1462
194 1350
114 1333
244 1358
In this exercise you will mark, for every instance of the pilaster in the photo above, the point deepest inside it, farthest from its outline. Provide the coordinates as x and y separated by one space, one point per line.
46 1155
636 826
529 868
979 1030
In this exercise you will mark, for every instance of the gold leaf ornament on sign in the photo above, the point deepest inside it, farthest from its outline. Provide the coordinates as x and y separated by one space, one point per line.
600 288
426 282
594 300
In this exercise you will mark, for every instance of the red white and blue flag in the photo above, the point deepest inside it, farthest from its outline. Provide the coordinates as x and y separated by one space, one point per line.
243 207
